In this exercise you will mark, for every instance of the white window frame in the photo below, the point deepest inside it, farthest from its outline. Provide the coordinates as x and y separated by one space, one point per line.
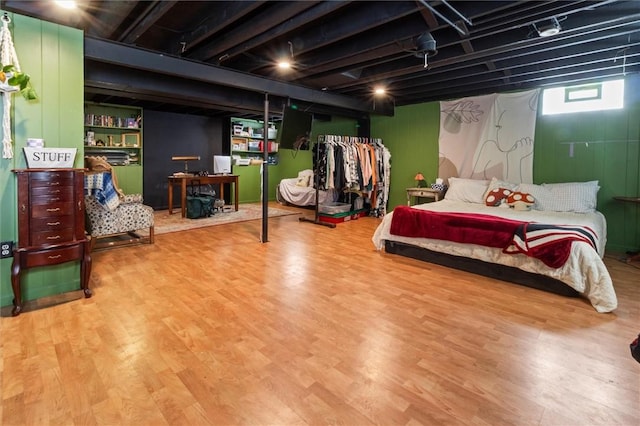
602 96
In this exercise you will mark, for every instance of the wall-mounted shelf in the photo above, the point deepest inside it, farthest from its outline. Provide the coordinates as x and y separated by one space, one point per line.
115 132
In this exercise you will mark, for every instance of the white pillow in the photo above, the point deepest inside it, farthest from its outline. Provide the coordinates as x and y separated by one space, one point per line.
541 195
467 190
577 197
305 178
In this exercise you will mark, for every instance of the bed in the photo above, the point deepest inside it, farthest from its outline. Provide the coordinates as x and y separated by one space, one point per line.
420 232
299 191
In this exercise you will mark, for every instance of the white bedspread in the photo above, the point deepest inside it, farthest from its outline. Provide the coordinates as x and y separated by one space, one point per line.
584 270
303 195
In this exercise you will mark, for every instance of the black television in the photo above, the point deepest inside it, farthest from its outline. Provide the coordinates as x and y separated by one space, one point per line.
295 129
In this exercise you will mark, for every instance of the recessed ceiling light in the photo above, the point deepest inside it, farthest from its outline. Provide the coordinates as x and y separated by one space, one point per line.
67 4
548 28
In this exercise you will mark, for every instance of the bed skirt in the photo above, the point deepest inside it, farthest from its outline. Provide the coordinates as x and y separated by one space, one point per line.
491 270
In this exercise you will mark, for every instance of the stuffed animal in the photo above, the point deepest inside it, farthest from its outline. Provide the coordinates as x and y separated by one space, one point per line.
520 200
497 197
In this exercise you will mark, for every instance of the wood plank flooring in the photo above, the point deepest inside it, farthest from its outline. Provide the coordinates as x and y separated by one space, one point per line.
315 327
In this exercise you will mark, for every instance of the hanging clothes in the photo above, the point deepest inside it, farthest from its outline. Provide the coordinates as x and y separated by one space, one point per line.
355 165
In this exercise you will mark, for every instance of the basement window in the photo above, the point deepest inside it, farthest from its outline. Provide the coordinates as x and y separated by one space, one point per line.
588 97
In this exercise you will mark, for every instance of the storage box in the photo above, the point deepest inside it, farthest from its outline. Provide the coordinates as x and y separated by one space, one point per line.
343 217
271 146
50 158
253 145
243 162
334 208
238 144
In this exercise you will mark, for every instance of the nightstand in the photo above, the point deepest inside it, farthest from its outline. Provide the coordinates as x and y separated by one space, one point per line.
423 193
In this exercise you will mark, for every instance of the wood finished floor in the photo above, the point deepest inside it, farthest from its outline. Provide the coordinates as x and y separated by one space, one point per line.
210 326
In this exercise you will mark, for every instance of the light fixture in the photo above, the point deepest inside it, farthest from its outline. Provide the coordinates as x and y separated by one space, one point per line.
547 27
66 4
420 181
425 47
286 62
186 159
379 91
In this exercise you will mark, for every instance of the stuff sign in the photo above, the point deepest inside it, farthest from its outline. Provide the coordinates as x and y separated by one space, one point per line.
50 158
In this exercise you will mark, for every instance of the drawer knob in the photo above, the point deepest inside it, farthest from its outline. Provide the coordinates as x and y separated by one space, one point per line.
57 209
53 223
54 237
57 256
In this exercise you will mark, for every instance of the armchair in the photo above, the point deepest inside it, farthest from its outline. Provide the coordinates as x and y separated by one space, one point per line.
113 218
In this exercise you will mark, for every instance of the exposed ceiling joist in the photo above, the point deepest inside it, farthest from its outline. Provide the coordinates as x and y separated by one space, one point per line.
125 56
350 47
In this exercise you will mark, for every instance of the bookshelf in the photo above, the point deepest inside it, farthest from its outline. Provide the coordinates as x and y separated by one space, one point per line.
115 132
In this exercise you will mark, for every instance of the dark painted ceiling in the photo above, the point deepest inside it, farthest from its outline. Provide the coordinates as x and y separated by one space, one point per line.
342 49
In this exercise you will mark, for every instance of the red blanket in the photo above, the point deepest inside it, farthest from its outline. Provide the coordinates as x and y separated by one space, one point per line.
549 243
484 230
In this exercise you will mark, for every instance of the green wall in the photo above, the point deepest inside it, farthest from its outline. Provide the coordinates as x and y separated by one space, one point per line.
291 162
411 136
612 156
53 56
605 148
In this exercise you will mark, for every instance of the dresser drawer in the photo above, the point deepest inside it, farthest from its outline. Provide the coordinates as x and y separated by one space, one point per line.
52 256
425 193
52 223
52 209
45 238
51 179
42 194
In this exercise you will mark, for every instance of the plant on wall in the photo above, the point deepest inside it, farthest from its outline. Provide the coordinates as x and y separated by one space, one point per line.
11 79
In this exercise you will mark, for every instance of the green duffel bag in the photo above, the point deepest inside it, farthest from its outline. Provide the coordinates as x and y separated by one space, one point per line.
199 206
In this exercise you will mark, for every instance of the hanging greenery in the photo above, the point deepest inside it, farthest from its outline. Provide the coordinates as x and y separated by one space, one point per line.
21 81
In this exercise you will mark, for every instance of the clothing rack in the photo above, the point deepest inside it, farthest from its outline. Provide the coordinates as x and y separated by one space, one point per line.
324 139
316 177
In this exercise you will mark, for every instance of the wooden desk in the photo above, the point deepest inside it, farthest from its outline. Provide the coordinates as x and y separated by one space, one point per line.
632 257
183 181
423 193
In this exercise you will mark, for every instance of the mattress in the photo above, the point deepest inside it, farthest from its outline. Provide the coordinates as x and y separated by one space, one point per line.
584 271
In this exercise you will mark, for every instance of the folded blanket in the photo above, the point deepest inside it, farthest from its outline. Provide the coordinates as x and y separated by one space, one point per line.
549 243
485 230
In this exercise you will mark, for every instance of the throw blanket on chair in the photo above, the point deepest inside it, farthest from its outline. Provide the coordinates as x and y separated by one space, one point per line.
101 186
549 243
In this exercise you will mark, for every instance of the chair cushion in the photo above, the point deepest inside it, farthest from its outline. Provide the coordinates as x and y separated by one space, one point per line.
127 217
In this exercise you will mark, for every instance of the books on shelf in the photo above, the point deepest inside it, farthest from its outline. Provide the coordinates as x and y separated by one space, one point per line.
112 121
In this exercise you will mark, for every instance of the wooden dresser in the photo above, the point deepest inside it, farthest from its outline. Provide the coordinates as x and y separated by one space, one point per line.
50 224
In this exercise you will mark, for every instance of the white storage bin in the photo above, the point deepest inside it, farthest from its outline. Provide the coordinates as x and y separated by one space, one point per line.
334 208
